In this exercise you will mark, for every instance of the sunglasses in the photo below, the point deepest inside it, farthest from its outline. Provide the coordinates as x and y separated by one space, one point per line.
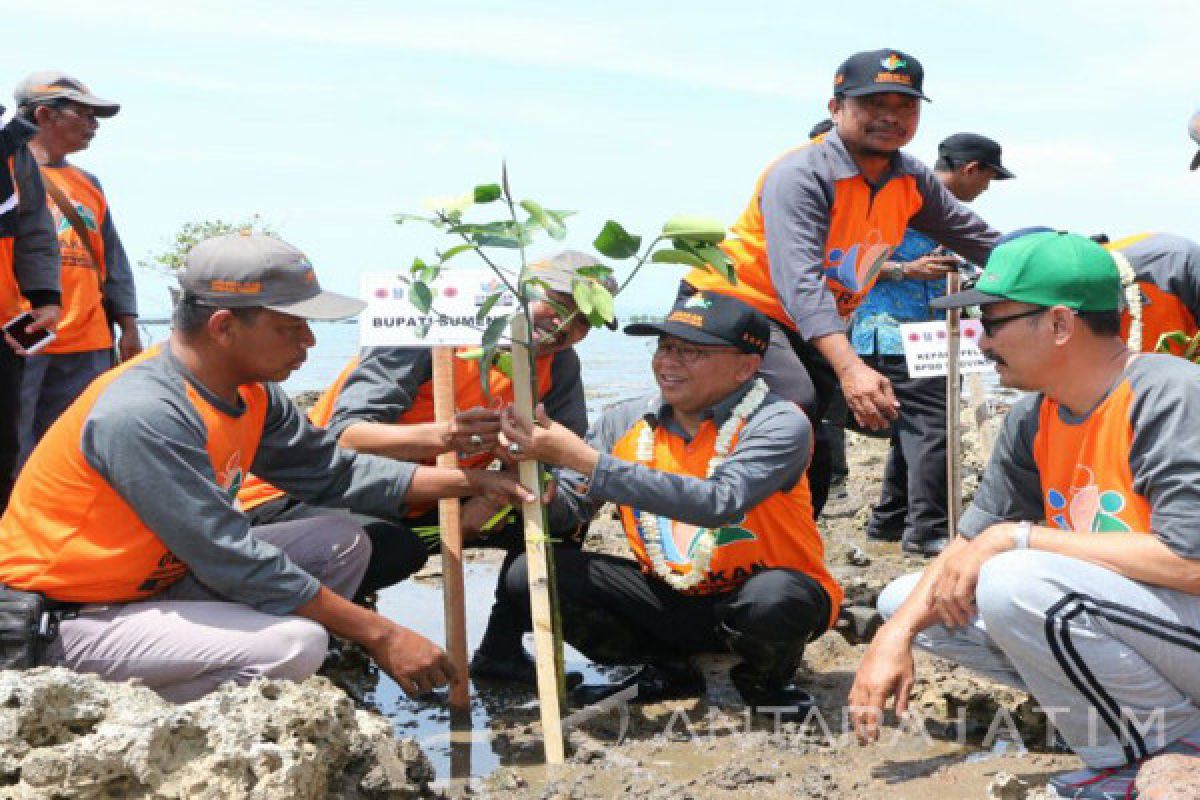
992 324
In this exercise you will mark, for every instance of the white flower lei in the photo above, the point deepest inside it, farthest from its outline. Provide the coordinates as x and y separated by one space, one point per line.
651 534
1133 299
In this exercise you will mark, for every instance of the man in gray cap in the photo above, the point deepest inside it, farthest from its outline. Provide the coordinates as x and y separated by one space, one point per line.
128 504
97 281
381 403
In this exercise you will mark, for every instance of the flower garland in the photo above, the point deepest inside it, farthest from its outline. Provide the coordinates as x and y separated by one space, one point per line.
1133 299
702 553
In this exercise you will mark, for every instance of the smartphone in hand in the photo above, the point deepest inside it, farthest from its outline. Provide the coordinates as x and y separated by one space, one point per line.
30 343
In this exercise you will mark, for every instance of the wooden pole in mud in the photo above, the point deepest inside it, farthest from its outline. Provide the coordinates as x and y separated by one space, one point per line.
953 392
449 521
538 556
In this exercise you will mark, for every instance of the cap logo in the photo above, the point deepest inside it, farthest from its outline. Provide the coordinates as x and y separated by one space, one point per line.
698 301
236 287
310 276
893 62
687 318
840 79
893 77
753 341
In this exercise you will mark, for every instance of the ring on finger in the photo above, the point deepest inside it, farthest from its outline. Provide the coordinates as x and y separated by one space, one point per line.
514 449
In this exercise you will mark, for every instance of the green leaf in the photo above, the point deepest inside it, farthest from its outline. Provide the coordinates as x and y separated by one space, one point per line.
418 266
487 192
485 371
421 296
430 273
596 319
602 304
707 230
494 330
487 306
598 272
615 242
423 328
504 363
553 226
453 251
670 256
582 292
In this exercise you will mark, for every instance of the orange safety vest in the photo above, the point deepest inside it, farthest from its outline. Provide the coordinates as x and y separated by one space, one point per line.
68 533
863 231
1162 312
83 326
468 393
10 294
778 532
1087 483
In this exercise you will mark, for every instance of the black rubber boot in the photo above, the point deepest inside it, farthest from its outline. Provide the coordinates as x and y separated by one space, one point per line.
501 655
764 678
666 680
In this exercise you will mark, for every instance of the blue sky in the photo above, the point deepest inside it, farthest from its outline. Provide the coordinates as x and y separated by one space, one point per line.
326 118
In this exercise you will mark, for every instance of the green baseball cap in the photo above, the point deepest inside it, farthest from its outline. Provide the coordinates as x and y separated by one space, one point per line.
1046 269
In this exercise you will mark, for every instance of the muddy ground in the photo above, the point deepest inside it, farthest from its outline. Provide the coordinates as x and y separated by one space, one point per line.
974 739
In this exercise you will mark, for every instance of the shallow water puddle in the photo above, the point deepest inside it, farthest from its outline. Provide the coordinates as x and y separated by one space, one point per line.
462 752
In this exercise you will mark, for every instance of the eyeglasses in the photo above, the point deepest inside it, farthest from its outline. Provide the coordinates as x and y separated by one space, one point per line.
687 354
992 324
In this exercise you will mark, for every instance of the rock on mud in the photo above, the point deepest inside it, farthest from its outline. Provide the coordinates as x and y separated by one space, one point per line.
66 735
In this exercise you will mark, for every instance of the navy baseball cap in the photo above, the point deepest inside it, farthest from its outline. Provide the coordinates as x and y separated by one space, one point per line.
712 319
879 71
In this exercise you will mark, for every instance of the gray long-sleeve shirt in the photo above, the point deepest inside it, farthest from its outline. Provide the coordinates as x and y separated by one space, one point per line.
1162 460
35 249
119 290
798 199
385 383
146 439
771 455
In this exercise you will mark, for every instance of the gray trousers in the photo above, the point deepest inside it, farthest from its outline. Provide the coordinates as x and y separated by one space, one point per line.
1113 662
50 383
187 640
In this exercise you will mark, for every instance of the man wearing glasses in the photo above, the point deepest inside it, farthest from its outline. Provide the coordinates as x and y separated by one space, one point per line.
1074 576
97 282
708 477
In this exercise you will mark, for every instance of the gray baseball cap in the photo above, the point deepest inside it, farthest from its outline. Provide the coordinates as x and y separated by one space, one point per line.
558 273
249 270
1194 132
46 85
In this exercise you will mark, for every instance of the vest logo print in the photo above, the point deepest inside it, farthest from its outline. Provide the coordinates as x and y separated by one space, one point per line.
854 269
1084 508
64 224
679 539
231 478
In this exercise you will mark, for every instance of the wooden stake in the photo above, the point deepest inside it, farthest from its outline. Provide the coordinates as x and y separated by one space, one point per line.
449 521
953 392
538 555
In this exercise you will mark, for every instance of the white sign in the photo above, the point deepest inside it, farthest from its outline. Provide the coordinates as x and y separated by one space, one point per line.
391 319
926 348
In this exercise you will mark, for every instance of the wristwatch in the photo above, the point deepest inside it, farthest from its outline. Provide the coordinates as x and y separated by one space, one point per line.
892 272
1020 534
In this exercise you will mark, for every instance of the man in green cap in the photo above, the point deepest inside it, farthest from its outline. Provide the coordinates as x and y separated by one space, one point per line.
1103 630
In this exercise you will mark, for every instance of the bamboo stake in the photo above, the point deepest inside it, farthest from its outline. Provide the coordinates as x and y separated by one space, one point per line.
449 521
538 555
953 391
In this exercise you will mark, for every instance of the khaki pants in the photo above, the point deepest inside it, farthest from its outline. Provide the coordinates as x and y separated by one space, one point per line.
187 640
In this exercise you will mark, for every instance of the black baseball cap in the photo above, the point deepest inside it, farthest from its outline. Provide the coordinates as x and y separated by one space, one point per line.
712 319
879 71
962 148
